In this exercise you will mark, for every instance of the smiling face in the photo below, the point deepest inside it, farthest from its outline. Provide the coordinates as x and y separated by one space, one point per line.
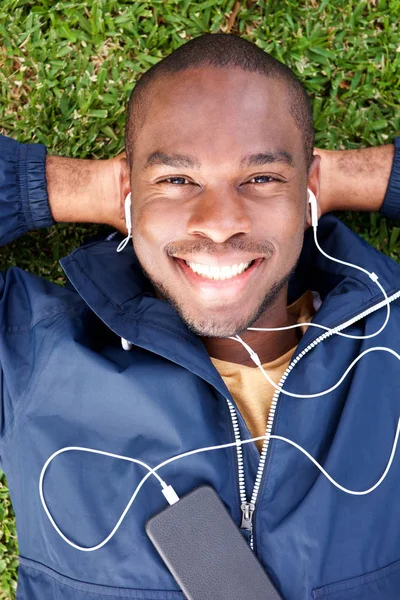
218 184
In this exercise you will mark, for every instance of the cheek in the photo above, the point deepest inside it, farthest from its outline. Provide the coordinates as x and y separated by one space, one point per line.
292 233
154 226
286 232
149 225
282 220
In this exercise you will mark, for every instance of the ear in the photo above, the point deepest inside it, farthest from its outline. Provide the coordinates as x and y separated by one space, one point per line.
124 187
313 185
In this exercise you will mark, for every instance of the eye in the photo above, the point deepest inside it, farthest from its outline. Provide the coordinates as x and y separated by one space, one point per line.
175 180
262 179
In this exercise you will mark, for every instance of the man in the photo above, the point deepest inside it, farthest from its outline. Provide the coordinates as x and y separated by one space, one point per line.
219 160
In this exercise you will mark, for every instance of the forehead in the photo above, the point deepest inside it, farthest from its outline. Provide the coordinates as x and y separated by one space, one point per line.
213 112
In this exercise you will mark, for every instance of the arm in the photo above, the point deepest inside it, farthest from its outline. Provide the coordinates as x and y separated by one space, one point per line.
23 196
364 180
36 190
78 190
85 191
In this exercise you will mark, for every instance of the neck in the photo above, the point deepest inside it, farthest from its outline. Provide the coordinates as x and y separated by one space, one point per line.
269 345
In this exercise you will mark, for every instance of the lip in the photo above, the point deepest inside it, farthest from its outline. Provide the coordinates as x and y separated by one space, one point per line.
218 290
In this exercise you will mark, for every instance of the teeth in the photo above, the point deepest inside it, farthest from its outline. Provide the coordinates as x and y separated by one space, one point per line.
218 273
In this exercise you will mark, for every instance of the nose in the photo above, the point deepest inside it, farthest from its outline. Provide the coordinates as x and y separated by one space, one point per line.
219 215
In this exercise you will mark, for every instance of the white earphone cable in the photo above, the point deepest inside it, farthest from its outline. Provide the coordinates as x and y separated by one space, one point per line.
372 276
122 517
167 490
172 493
255 358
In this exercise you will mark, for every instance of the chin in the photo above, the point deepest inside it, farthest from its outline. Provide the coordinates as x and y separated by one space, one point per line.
208 326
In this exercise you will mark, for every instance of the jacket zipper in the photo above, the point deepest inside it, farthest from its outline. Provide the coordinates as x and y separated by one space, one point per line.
239 452
248 508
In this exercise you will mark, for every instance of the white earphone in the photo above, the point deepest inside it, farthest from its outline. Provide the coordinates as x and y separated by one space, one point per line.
314 208
128 222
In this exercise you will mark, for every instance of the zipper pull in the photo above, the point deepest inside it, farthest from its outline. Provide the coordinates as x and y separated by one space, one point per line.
247 516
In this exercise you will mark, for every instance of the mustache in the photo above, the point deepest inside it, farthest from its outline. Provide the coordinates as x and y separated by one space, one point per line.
205 245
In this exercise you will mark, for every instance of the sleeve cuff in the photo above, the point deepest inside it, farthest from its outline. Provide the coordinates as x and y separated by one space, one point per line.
391 204
33 186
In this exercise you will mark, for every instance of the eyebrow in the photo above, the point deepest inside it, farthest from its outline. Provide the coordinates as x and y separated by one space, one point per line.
252 160
266 158
171 160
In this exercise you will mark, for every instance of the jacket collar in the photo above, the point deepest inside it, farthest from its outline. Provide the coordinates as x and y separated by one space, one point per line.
115 288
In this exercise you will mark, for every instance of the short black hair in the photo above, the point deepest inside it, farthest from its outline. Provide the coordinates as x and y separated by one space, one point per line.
223 50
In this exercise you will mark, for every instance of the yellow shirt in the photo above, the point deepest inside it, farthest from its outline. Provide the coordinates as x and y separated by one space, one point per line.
252 392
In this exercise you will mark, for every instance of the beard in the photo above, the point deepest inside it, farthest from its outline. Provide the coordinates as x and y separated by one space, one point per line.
207 324
218 327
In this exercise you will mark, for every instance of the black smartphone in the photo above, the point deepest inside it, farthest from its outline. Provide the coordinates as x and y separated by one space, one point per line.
205 551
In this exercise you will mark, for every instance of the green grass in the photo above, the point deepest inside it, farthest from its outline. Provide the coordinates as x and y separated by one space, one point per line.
66 69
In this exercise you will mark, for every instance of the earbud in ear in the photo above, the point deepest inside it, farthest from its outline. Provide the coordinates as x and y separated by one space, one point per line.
128 217
128 222
314 208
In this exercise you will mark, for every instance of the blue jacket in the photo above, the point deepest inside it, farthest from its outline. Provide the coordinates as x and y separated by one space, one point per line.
66 381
